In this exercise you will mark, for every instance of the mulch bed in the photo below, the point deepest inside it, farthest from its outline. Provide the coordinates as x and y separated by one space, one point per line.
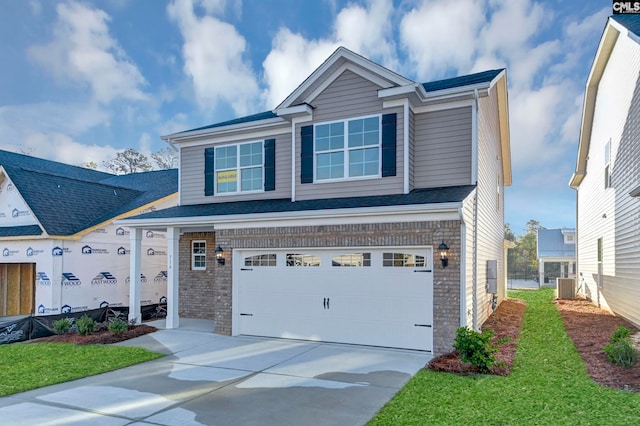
588 326
101 337
505 322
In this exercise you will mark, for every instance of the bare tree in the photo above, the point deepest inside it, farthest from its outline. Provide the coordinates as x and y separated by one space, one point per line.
129 161
166 158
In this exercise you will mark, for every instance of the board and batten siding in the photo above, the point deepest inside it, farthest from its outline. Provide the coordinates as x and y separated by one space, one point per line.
611 213
442 148
350 96
192 173
490 203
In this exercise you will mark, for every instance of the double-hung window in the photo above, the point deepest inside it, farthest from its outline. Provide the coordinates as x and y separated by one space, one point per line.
239 168
198 255
347 149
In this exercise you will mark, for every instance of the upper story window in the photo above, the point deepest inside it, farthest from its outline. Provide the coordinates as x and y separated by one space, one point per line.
347 149
239 168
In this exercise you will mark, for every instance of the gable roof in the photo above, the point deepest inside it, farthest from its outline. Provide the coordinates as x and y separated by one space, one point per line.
461 81
551 244
628 24
67 200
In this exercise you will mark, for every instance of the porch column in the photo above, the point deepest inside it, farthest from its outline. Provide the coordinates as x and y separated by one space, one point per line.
541 273
173 238
135 246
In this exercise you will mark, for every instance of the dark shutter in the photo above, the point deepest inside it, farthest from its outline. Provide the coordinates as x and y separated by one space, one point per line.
388 145
306 154
270 165
209 170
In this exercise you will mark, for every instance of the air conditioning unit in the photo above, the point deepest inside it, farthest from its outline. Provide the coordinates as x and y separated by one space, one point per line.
566 288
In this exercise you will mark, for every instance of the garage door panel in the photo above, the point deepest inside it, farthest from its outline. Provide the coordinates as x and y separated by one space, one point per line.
363 303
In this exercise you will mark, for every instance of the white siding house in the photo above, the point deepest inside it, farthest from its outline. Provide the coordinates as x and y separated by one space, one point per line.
607 174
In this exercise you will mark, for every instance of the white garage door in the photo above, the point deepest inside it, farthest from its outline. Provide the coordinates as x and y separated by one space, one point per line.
380 297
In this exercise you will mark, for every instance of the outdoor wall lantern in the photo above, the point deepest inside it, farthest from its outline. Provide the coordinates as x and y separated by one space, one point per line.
219 257
444 252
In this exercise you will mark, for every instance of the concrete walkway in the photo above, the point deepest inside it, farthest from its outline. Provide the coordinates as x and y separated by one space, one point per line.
207 379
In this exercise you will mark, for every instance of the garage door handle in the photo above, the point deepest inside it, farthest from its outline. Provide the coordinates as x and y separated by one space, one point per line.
246 269
422 270
246 315
422 325
327 303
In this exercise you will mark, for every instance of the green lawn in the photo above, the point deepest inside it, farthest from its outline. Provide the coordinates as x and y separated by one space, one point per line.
547 385
25 366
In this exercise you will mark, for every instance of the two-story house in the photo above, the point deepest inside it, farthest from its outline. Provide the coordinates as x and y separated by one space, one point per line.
366 208
607 173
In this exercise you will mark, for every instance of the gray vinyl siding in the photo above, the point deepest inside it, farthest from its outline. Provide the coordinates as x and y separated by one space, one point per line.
317 83
192 173
351 96
490 215
442 148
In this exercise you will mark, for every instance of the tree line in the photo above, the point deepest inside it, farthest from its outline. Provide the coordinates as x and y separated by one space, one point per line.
522 261
132 161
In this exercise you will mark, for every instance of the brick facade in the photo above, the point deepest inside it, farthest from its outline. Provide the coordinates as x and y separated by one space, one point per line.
210 291
196 288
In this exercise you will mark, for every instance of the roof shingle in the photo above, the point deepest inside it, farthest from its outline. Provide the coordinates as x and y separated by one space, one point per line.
68 199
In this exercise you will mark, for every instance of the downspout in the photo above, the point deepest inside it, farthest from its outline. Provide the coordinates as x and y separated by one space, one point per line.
406 145
474 177
463 269
293 159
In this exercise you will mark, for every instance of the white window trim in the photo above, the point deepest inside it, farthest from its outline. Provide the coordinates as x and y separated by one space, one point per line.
346 150
193 256
238 170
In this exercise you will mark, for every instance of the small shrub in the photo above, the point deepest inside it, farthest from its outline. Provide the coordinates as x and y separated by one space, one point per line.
620 350
621 333
476 348
118 326
62 326
85 325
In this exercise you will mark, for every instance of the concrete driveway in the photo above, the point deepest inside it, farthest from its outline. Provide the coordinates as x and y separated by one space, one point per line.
207 379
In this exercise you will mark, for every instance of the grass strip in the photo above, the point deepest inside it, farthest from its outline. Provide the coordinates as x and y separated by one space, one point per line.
26 366
548 385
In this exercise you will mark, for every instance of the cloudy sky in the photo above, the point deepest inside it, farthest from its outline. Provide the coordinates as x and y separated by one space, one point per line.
82 80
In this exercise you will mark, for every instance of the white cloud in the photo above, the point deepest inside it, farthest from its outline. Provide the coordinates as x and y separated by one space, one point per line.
291 60
364 30
441 35
213 53
83 52
533 115
62 148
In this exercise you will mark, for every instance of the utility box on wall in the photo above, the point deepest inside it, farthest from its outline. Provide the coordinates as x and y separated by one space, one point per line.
492 276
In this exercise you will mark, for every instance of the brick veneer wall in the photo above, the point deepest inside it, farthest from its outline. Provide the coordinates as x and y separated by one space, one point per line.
210 291
196 288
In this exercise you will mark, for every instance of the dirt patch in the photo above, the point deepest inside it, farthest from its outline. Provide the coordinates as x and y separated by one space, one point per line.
590 327
101 337
505 322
